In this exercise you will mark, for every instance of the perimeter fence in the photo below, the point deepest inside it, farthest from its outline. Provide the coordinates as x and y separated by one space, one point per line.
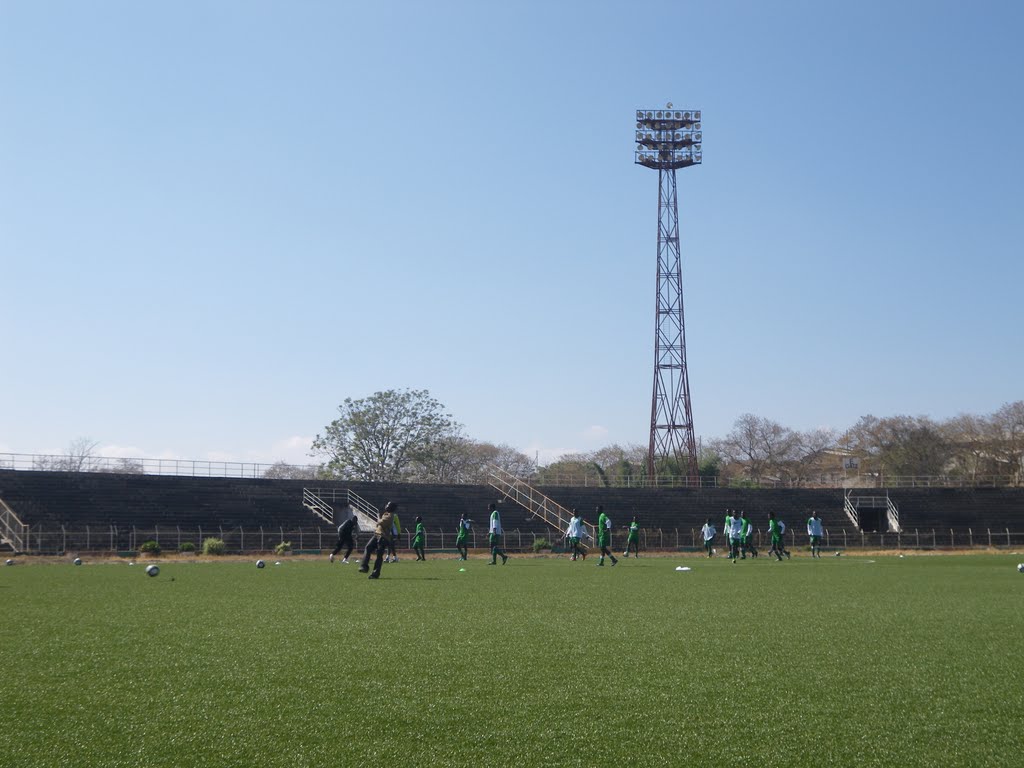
126 541
282 471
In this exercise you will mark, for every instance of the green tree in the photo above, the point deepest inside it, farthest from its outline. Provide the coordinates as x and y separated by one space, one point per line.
385 436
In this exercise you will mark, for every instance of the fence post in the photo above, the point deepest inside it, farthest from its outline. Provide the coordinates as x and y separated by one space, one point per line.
844 538
200 536
179 537
262 548
970 538
63 540
934 545
112 538
917 535
951 538
241 538
87 541
133 540
1007 537
300 539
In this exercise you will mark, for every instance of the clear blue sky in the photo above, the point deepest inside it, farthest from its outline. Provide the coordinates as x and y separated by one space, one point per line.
220 219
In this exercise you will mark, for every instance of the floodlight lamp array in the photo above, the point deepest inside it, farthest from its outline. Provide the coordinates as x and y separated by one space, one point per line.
668 138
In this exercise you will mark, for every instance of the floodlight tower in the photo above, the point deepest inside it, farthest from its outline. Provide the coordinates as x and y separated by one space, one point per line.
668 139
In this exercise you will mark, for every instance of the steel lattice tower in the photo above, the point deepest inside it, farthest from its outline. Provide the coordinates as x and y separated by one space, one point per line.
668 139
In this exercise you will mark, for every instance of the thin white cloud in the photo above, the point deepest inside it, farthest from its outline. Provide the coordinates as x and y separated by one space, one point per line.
595 432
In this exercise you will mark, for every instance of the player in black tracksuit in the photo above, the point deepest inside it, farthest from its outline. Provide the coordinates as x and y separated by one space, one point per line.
345 531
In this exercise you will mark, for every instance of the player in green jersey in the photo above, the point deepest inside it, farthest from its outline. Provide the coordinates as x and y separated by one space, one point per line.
775 532
419 539
604 535
633 539
462 538
747 532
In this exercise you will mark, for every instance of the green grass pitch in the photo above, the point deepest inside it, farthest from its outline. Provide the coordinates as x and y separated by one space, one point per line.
858 661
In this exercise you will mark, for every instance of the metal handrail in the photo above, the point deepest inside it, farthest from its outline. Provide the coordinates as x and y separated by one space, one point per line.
532 500
11 528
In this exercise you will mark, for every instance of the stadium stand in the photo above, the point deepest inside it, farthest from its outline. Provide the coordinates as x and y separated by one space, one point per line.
119 503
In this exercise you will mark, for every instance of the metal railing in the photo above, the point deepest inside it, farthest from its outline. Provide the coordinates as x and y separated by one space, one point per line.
255 470
111 540
317 499
12 530
535 502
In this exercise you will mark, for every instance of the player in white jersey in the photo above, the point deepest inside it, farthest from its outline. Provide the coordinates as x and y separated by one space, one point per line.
708 532
574 535
734 531
815 532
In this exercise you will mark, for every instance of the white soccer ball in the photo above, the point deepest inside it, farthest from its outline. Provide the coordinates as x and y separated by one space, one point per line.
277 563
260 564
9 562
77 561
1020 566
152 570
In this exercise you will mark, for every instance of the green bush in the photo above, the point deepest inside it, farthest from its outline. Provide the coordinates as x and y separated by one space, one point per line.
150 548
539 545
186 546
283 548
212 546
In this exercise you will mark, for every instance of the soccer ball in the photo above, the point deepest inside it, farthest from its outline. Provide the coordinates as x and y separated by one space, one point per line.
277 563
1020 567
152 570
260 564
10 562
77 561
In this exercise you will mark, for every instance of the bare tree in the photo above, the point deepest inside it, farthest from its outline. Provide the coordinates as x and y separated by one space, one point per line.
281 470
902 445
764 448
79 456
1008 429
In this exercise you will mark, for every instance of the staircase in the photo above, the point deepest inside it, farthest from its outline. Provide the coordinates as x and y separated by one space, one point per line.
853 504
532 500
320 501
13 532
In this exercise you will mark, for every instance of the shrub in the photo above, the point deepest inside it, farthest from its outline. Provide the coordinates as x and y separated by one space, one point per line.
212 546
186 546
539 545
283 548
150 547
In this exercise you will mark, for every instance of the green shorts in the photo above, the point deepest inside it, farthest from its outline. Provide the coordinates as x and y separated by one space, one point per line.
815 540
